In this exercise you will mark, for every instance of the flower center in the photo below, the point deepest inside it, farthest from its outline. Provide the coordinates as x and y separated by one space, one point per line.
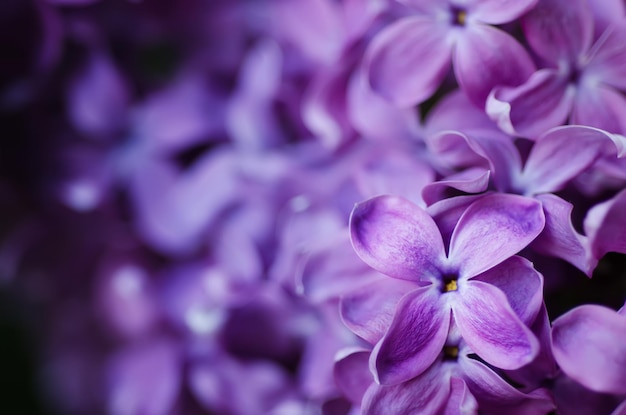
459 16
450 353
450 283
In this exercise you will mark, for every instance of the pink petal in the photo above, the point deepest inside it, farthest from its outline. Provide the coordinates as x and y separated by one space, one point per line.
491 230
498 12
461 401
589 344
396 237
542 102
491 328
486 57
410 46
414 339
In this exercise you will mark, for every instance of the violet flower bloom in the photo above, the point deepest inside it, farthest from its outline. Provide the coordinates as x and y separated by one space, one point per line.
399 239
589 344
583 80
557 157
456 383
407 61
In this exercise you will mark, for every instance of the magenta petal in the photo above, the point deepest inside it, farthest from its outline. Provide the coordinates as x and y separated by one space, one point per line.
396 237
461 401
559 238
496 396
485 57
491 328
426 394
369 310
542 102
491 230
499 11
407 61
606 13
414 339
589 344
605 226
521 283
562 153
559 29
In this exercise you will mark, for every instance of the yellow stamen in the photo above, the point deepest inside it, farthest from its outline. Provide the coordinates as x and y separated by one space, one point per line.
461 17
450 286
451 352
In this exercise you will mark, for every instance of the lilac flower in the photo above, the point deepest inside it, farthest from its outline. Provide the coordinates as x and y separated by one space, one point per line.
557 156
456 383
589 345
583 79
402 241
407 61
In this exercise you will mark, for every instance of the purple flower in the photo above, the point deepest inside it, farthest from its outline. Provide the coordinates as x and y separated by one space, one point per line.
430 285
583 79
589 344
407 61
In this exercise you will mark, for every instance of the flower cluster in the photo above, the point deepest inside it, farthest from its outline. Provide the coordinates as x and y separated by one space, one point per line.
333 207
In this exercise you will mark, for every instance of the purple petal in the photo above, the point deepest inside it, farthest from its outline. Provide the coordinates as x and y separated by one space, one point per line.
414 339
412 45
608 56
471 180
369 310
455 112
180 115
559 238
144 379
521 283
426 394
605 226
606 13
98 98
375 117
453 151
542 102
562 153
589 344
491 230
491 328
461 401
448 211
485 57
334 271
395 237
601 107
352 374
496 396
559 29
497 12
